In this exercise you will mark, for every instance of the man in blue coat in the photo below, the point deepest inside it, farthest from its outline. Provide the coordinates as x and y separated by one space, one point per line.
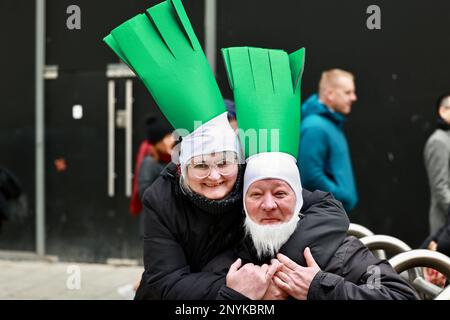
324 157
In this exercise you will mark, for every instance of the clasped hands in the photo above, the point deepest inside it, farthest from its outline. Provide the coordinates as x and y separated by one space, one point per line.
282 278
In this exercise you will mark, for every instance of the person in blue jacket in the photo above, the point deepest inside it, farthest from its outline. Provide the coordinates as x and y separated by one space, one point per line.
324 160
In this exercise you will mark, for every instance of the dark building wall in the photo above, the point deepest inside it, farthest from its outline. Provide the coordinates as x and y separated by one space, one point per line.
82 222
399 71
17 139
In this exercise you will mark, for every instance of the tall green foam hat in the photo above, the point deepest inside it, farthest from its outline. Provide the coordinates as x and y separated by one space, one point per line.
266 86
160 46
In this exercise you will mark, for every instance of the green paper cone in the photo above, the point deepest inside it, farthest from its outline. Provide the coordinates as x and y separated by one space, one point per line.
160 46
266 86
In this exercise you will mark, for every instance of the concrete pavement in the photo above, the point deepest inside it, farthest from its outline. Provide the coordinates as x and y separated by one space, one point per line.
66 281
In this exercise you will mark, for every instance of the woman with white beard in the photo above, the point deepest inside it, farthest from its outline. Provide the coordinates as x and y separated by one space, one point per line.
194 210
278 211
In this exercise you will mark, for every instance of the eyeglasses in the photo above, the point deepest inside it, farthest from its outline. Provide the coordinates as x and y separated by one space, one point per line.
224 166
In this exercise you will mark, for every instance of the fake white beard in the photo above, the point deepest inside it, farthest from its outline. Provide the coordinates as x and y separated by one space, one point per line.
268 239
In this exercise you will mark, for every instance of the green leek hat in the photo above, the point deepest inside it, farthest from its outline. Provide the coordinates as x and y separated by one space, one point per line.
160 46
266 86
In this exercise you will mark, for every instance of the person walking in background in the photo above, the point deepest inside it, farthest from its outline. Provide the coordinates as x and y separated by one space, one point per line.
324 157
153 155
161 142
436 156
437 162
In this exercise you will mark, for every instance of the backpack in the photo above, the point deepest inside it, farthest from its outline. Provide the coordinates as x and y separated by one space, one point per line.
12 199
9 184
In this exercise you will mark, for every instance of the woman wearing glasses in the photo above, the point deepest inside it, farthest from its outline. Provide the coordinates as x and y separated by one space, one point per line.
193 212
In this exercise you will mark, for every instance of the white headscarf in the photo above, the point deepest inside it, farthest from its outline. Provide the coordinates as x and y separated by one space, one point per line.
214 136
274 165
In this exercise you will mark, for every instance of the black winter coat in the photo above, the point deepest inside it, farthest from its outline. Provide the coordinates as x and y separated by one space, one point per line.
353 273
181 237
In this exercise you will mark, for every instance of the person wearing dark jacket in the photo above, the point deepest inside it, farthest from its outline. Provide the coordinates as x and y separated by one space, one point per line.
174 69
161 142
351 273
